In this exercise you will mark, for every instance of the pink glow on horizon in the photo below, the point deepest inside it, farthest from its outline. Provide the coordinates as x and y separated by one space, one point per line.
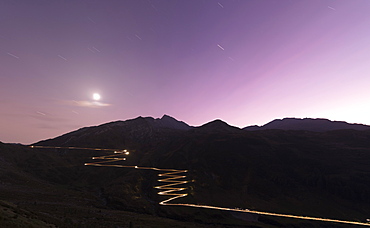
247 62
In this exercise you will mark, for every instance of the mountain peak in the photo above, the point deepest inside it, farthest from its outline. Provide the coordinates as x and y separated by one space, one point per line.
308 124
165 116
218 125
169 122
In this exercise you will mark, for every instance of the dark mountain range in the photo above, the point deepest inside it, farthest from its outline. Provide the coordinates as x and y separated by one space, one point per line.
320 174
115 134
308 124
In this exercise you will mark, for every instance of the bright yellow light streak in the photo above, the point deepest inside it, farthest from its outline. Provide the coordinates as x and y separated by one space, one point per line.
172 190
269 213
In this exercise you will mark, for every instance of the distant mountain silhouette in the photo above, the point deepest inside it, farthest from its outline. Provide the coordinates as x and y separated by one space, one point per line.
164 122
313 173
308 124
216 126
145 129
140 129
170 122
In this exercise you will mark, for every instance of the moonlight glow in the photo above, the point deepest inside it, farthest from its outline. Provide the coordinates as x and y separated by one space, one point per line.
245 62
96 96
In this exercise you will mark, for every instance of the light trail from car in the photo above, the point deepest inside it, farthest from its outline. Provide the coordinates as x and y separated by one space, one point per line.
174 178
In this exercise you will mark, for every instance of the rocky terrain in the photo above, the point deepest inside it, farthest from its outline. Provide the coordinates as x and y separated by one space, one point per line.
313 173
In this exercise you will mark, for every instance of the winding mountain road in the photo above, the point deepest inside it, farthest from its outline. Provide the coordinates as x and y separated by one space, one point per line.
173 178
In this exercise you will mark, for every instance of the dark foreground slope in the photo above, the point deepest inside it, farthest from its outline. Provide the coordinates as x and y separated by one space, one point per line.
48 188
295 172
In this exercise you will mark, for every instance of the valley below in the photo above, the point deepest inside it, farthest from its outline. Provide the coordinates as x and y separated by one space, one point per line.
296 172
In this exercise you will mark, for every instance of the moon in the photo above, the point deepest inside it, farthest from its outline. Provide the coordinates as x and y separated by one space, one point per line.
96 96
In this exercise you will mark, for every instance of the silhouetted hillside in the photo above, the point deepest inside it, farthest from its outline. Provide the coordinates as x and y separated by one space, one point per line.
170 122
308 124
320 174
120 133
217 126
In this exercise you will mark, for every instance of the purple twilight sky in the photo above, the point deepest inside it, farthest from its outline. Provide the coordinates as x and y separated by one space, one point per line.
246 62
